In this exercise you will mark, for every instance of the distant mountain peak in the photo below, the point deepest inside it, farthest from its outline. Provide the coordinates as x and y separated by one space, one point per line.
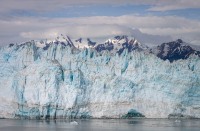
91 43
121 37
171 51
79 40
119 43
179 40
174 50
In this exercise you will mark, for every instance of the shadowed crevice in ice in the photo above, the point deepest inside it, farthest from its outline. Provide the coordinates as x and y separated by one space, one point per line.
132 113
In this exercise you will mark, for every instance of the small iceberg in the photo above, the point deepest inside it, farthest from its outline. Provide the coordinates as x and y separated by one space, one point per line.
177 121
73 123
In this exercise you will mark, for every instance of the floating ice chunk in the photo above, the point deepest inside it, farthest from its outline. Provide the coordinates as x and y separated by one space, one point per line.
177 121
73 123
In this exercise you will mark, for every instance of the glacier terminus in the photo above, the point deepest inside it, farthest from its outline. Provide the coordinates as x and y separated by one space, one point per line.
120 78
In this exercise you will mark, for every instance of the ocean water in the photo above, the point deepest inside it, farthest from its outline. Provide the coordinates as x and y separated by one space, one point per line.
101 125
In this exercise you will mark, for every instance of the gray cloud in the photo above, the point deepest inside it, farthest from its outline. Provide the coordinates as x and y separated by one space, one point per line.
154 28
166 5
50 5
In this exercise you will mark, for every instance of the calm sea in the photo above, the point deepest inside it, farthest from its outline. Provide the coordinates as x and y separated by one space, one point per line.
100 125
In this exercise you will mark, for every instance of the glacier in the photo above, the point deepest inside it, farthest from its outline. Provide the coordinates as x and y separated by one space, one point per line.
65 82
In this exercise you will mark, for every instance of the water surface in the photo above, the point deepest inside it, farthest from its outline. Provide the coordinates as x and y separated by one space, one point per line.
100 125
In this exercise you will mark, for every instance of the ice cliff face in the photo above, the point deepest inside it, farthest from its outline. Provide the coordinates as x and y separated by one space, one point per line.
60 81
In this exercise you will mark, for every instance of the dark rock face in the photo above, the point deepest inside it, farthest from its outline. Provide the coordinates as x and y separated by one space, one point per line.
171 51
175 50
79 40
10 45
121 43
107 46
90 43
67 42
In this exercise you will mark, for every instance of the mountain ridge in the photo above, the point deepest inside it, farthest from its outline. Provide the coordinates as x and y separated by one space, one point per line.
171 51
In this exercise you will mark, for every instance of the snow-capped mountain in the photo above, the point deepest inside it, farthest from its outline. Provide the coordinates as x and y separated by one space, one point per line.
58 79
114 45
120 43
174 50
171 51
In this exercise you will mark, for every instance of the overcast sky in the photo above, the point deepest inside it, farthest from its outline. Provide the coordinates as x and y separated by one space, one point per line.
150 21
